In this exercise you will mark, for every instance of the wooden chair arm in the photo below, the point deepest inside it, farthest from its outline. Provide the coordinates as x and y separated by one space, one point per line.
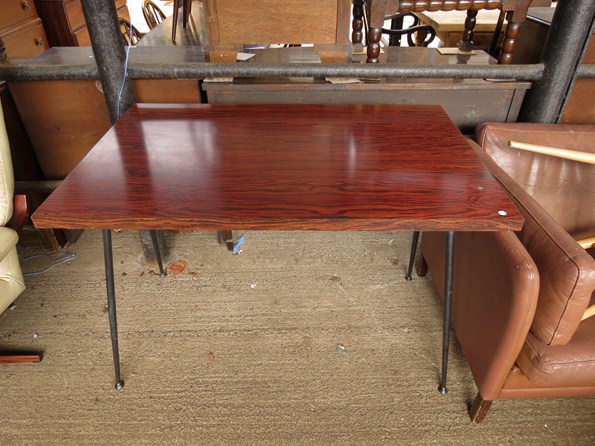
590 311
583 157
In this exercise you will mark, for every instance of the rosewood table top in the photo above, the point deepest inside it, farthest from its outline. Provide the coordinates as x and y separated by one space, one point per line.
291 167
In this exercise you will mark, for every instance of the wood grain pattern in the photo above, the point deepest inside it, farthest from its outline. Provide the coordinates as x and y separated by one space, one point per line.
268 21
322 167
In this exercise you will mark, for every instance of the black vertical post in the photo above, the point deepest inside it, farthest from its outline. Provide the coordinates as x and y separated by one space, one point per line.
569 33
448 281
414 241
111 303
110 55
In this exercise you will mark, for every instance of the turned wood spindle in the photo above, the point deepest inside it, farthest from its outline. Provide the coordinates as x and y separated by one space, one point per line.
357 35
466 43
508 46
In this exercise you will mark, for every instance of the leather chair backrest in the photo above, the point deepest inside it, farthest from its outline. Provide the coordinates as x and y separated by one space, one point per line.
6 174
565 189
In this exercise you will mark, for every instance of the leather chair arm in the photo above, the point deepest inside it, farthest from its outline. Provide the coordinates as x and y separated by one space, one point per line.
495 291
8 240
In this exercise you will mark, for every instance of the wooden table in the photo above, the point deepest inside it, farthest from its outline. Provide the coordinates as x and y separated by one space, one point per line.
280 167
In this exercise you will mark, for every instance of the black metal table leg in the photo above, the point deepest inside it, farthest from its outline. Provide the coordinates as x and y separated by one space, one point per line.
111 303
448 274
157 253
414 242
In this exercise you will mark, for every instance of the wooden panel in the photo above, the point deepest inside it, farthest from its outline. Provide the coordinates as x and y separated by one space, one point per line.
180 91
14 11
124 13
74 14
580 108
26 40
317 167
467 105
63 119
270 21
82 37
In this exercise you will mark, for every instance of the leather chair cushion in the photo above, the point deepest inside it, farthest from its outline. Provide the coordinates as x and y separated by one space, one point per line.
570 365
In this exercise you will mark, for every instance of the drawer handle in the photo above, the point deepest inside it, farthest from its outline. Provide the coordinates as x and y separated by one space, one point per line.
39 41
25 5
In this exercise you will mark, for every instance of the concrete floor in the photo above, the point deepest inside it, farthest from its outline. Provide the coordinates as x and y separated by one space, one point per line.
307 338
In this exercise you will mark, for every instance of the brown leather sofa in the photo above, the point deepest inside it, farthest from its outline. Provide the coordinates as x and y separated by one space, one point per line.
518 298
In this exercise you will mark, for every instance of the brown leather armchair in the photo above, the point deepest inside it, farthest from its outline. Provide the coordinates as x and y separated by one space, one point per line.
520 300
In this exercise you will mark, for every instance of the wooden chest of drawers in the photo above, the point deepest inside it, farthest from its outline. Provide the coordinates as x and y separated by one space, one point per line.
64 21
21 29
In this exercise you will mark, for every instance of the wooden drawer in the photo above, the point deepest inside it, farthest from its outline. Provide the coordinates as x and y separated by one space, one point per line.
82 37
74 15
14 11
27 40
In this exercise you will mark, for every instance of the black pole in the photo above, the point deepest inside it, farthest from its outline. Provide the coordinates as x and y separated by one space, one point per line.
111 304
200 70
110 55
412 253
448 281
568 35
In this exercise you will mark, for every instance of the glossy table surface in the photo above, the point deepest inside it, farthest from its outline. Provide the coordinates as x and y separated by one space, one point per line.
293 167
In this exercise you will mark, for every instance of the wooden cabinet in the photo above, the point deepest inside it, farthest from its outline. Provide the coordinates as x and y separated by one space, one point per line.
21 29
468 102
64 21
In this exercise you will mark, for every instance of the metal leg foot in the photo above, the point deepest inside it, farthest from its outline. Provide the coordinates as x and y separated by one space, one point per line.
414 242
111 303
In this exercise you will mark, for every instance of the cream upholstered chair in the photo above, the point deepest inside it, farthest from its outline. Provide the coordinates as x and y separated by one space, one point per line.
11 277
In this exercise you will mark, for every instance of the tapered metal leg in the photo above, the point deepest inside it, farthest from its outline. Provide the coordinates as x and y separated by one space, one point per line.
111 303
448 274
174 26
157 253
414 242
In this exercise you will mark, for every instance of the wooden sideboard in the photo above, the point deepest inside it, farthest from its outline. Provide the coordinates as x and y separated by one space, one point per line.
468 102
64 21
65 118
